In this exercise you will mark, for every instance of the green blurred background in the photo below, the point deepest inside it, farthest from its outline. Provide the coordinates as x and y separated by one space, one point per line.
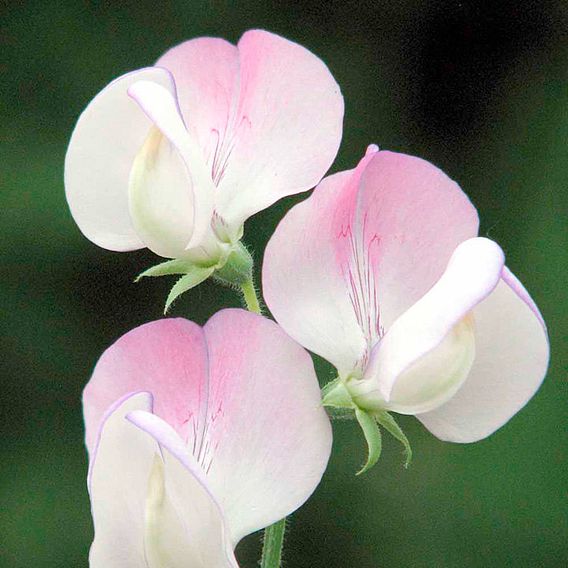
478 88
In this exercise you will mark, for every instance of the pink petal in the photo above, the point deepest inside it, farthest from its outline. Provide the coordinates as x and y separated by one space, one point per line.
167 358
512 354
303 283
106 139
269 438
472 274
412 217
344 264
268 116
206 72
287 127
244 399
149 499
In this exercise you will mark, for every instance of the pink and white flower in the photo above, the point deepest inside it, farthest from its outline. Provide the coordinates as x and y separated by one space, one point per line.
198 437
381 272
177 156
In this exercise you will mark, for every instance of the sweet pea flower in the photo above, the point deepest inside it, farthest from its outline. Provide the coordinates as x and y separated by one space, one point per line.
381 272
198 437
177 156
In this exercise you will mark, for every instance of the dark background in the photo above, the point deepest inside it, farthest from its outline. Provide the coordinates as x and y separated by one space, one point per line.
478 88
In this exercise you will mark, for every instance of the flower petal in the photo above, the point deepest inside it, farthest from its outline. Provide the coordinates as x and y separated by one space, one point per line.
167 358
162 108
512 353
436 319
244 399
188 521
286 130
160 197
363 248
304 284
106 139
412 217
118 484
206 72
150 502
269 437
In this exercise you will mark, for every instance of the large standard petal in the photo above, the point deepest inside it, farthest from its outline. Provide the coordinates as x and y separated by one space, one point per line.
243 397
342 265
268 438
167 358
406 370
285 131
512 353
150 503
106 139
161 106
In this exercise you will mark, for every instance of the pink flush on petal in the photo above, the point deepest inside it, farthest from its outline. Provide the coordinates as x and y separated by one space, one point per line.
357 252
235 404
211 135
381 272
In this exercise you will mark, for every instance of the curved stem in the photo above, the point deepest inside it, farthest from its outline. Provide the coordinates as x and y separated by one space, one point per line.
251 299
274 534
273 543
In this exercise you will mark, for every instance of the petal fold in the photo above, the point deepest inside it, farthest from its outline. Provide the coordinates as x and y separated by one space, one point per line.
118 484
185 521
151 506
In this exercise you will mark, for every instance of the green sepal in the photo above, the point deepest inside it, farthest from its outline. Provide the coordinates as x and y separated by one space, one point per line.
196 275
168 268
372 435
390 425
336 395
336 413
237 269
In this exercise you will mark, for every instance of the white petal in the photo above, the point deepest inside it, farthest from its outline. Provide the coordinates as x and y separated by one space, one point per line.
106 139
435 377
150 503
268 437
118 484
472 274
160 197
511 361
162 107
187 525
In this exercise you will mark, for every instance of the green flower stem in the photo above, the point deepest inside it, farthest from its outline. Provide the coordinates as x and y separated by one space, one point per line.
273 542
251 299
274 534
